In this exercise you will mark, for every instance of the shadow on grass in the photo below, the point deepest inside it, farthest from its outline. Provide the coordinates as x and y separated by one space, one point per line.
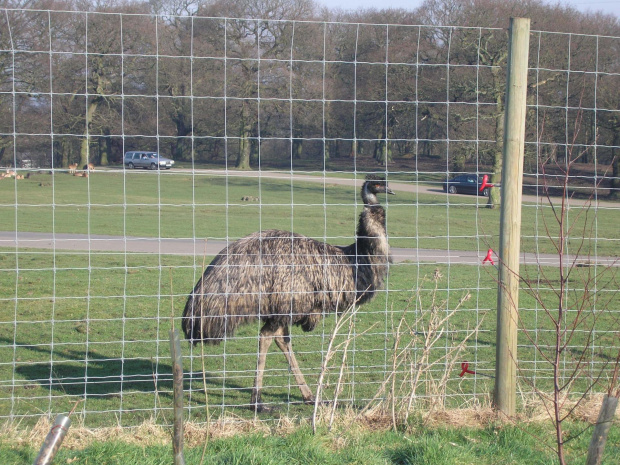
98 376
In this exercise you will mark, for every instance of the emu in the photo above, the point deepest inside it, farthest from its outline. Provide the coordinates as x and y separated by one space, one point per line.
283 279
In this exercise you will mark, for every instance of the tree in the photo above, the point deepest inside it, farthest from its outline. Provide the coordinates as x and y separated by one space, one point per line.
89 81
249 41
488 49
24 82
576 299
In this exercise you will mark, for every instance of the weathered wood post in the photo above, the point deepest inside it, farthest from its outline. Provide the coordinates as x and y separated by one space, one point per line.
510 217
601 430
177 392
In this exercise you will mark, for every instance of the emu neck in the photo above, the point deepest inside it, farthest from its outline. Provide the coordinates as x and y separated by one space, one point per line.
369 198
371 235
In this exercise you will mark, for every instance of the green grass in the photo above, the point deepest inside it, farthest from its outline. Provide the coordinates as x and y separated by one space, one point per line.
528 444
109 315
67 316
173 204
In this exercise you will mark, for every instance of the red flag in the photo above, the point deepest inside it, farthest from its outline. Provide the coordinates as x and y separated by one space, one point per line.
489 257
465 369
485 182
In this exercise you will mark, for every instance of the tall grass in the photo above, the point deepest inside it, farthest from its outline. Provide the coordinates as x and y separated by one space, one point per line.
440 443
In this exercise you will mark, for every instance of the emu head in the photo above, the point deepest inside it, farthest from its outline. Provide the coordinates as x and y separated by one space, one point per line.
372 186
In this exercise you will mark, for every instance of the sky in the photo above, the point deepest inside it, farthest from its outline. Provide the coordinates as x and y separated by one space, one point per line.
606 6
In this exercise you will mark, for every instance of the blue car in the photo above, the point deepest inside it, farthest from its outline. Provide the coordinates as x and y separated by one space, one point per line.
468 184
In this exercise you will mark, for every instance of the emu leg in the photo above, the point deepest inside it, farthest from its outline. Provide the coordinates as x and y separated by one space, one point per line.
265 339
283 341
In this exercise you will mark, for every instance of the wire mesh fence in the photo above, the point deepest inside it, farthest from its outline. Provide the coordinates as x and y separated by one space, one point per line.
275 125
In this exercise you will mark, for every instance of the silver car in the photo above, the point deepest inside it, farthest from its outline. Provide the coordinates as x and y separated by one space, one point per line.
148 160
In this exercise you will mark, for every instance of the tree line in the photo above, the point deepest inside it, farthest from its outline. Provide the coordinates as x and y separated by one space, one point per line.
286 83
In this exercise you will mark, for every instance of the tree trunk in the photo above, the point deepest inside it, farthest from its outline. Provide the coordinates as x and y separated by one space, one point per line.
383 150
297 148
243 158
65 150
105 146
254 151
245 131
84 151
354 149
326 126
85 146
614 191
182 149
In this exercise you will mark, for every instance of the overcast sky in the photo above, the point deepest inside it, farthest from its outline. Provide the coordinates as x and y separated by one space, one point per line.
607 6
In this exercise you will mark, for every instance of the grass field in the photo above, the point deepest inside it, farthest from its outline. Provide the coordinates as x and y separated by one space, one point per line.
174 204
93 327
104 319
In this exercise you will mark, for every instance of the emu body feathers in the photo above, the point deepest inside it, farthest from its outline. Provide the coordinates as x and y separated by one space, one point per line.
285 279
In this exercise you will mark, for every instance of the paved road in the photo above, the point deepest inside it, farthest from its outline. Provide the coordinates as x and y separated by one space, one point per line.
200 247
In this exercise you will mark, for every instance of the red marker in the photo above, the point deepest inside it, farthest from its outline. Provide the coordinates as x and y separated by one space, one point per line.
465 369
489 257
485 183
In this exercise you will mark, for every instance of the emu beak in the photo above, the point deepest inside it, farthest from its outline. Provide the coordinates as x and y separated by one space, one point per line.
389 191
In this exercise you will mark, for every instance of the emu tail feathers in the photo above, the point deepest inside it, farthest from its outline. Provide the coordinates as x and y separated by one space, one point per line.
207 323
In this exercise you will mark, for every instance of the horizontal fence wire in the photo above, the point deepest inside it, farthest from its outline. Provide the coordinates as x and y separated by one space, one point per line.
274 125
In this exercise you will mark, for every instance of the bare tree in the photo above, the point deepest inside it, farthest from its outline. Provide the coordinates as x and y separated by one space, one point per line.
575 298
262 36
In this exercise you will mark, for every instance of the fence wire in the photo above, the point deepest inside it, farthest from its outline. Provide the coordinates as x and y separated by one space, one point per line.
275 125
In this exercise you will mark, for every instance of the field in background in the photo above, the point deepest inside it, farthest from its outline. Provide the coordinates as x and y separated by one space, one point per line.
181 205
305 90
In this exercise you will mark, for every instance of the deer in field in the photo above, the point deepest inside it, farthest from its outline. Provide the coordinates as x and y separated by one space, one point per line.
73 168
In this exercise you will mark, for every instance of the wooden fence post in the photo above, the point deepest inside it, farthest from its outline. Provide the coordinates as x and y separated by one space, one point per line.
177 392
510 217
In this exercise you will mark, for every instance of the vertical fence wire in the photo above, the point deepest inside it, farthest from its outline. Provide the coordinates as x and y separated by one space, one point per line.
84 316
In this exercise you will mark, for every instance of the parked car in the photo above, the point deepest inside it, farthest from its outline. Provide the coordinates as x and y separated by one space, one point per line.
468 184
147 160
